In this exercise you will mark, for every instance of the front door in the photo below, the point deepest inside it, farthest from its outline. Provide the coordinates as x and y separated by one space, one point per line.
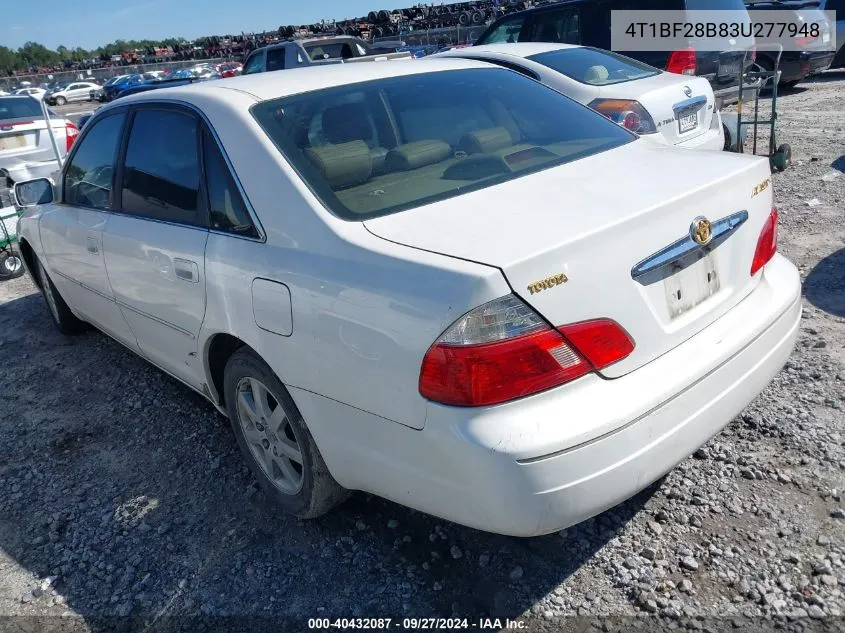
155 244
72 229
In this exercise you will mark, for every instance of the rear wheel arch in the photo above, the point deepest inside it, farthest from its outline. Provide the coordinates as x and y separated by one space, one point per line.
219 350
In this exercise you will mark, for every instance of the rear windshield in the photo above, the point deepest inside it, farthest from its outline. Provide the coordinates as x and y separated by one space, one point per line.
594 67
335 50
19 108
384 146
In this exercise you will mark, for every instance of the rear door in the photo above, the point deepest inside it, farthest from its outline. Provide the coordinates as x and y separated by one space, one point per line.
155 244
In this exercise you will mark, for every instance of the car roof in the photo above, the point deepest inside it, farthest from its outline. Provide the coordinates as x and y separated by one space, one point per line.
283 83
523 49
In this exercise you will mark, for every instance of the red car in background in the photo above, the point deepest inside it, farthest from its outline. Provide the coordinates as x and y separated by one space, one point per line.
230 69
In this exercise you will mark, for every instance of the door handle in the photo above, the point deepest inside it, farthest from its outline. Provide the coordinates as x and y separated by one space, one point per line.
92 245
186 270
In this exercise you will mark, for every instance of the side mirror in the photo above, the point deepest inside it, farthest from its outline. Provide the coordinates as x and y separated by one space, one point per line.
31 193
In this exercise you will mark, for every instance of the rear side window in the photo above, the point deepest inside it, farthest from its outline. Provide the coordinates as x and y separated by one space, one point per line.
391 145
276 59
88 176
561 26
594 67
161 173
506 32
227 209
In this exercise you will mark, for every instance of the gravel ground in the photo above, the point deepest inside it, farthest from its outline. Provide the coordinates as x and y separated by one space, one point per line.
122 492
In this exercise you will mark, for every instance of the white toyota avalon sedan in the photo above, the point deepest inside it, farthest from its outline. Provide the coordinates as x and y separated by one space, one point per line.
664 107
442 283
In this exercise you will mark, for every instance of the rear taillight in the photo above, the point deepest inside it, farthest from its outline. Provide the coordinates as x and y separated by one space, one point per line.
71 132
682 62
503 350
628 113
767 245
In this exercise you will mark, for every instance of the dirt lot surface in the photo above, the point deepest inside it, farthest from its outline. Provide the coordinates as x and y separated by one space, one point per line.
122 493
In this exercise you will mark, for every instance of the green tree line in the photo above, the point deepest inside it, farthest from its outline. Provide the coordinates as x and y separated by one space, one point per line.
35 54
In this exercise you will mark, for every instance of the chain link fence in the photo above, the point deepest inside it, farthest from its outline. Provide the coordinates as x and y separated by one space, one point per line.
100 75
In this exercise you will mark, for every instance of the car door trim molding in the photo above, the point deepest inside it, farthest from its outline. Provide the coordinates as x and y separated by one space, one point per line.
121 304
687 246
154 318
82 285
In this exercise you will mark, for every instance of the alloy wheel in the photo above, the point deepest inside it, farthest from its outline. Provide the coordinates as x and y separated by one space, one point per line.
270 436
12 265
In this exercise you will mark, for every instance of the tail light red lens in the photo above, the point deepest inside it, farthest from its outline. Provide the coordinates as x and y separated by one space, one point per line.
602 342
503 351
71 132
767 245
627 113
682 62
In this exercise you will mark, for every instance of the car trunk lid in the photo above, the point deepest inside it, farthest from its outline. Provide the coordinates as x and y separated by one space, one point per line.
29 138
569 239
682 107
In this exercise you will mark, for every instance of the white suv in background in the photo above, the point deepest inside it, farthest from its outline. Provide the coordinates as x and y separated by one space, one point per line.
76 91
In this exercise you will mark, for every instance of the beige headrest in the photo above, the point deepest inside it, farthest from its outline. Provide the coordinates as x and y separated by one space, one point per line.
417 154
342 165
487 140
596 75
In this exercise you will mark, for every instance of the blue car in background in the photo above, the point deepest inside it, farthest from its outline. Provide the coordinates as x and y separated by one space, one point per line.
112 89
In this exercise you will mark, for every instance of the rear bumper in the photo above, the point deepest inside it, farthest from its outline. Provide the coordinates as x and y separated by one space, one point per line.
798 66
549 461
820 62
711 139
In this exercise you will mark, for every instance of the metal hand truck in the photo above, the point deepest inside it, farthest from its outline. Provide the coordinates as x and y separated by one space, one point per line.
780 156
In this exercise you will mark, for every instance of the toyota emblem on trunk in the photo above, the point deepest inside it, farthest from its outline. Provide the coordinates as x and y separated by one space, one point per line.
701 231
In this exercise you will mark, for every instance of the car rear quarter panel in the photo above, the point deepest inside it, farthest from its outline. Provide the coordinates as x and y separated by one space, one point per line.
364 310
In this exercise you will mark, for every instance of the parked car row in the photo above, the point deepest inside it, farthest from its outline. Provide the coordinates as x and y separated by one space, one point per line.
201 72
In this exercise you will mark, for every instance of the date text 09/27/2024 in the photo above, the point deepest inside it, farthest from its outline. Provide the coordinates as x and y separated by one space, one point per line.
413 624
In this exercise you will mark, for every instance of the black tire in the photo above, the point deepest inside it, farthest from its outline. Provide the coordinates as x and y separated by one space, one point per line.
789 85
65 321
782 158
319 492
11 264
